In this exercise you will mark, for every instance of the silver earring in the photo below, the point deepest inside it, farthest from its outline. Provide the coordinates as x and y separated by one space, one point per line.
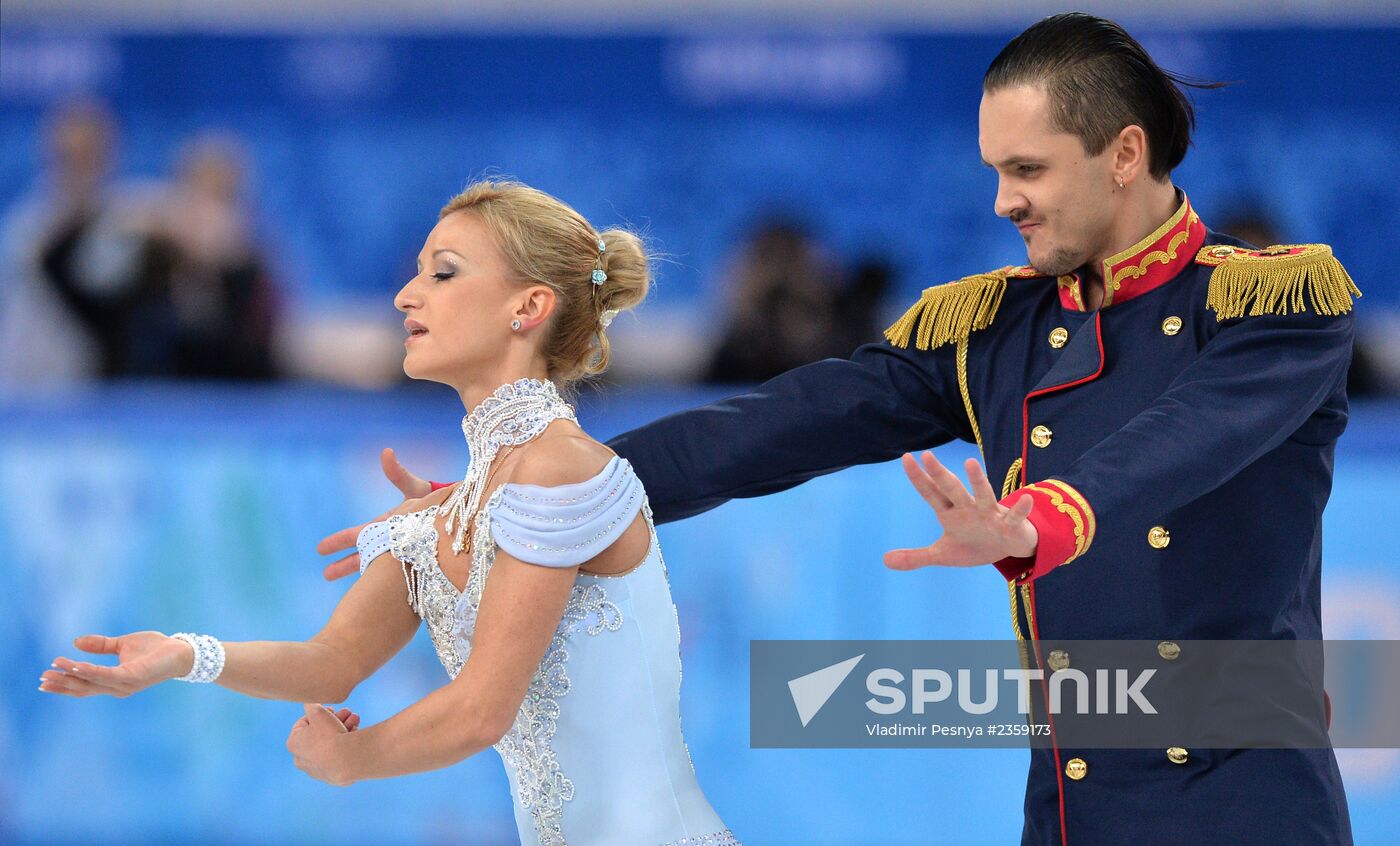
1121 185
515 324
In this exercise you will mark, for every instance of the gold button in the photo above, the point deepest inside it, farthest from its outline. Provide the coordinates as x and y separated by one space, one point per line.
1040 436
1222 251
1169 650
1171 326
1059 659
1059 336
1158 537
1076 769
1176 755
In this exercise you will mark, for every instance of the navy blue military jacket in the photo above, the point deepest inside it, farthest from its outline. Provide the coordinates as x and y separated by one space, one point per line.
1178 442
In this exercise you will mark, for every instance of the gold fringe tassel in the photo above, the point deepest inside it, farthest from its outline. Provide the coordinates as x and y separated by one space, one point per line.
1253 284
949 312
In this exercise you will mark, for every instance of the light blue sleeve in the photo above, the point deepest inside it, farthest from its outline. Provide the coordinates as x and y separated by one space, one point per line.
372 542
566 525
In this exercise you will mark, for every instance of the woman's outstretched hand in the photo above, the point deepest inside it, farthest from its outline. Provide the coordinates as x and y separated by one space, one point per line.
143 659
409 485
317 746
976 528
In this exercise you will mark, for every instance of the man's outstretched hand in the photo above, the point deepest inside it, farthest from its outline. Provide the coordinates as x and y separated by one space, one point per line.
408 484
976 528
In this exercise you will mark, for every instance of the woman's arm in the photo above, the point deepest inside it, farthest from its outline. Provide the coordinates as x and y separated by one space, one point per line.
371 623
521 606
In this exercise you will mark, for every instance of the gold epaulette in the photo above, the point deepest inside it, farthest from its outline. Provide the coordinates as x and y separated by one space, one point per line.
951 311
1273 281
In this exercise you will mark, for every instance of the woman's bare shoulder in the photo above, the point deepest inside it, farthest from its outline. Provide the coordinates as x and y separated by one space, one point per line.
563 455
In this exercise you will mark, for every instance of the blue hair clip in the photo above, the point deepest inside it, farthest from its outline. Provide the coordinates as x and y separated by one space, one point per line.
599 277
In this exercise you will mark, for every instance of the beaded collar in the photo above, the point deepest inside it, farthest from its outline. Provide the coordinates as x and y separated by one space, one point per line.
515 412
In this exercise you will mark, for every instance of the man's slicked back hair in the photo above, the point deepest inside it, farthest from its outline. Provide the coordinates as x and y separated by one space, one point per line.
1099 79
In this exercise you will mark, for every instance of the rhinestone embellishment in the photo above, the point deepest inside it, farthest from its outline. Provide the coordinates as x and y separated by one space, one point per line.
208 658
515 413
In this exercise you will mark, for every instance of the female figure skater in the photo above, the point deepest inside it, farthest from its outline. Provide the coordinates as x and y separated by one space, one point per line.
539 575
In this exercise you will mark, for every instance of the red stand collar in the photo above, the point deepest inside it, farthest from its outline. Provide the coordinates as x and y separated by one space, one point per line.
1146 265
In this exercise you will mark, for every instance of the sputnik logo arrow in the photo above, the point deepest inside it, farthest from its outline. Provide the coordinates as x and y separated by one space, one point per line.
811 692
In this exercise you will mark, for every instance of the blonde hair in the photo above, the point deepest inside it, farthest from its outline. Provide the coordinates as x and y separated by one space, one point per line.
546 242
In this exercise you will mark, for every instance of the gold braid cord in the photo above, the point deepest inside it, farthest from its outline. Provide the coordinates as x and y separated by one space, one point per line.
950 312
1013 475
1007 486
967 396
1281 280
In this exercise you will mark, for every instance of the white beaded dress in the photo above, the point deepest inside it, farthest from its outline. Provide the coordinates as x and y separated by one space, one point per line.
595 755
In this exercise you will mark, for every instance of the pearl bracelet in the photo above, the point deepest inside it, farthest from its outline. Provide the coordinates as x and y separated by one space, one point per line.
208 657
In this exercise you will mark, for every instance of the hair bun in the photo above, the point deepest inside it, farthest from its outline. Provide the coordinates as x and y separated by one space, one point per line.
594 275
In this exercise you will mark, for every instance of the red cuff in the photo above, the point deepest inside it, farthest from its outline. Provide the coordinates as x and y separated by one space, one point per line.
1065 522
437 486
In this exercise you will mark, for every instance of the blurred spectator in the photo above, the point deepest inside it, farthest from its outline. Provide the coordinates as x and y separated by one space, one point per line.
220 301
101 280
72 266
785 307
1253 226
859 303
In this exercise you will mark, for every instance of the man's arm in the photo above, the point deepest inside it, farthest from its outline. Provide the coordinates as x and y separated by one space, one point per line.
813 420
1253 385
883 401
412 488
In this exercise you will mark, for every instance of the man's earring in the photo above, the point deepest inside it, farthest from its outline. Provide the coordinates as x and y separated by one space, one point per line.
1120 183
515 324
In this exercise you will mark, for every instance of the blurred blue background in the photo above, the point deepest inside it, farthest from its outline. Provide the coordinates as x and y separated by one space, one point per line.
196 509
152 501
869 138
